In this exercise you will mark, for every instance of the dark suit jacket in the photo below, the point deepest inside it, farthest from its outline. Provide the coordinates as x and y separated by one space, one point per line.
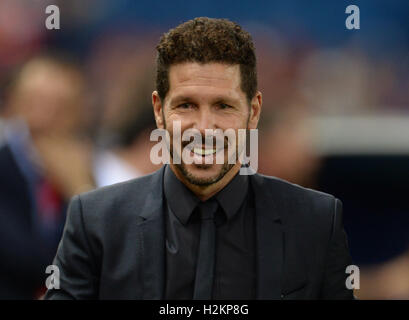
113 246
24 255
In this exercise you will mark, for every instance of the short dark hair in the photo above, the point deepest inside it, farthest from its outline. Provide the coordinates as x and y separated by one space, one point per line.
205 40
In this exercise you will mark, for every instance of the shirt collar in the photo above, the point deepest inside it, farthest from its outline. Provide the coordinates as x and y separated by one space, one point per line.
182 201
231 197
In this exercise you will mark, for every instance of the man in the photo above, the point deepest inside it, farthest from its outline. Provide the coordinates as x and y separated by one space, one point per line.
126 124
43 164
204 231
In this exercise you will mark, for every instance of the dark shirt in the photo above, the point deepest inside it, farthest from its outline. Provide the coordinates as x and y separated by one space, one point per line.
235 274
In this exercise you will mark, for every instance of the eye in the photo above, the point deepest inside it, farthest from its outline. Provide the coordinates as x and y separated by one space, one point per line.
185 106
224 106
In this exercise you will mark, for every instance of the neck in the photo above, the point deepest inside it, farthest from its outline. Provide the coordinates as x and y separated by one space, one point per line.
206 192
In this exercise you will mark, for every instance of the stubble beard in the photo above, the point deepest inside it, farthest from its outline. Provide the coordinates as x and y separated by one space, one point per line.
192 179
203 182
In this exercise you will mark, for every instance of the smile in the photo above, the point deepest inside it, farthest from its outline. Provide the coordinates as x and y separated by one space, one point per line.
204 152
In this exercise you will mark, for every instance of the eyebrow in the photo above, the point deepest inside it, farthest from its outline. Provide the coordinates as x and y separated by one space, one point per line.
215 100
179 99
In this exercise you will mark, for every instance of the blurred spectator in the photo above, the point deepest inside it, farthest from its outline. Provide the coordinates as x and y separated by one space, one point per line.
336 81
389 280
126 117
44 161
285 139
286 146
21 30
129 156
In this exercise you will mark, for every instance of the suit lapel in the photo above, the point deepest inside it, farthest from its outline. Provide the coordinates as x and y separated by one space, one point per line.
152 239
270 240
269 232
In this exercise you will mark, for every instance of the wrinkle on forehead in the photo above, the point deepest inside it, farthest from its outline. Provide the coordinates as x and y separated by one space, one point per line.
209 74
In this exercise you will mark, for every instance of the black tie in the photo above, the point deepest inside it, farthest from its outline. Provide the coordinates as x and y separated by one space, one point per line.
207 249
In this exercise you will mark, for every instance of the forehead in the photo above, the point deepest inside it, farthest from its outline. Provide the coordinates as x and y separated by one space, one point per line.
194 79
49 78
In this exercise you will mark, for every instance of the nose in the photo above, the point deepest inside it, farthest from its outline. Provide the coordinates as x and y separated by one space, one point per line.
204 120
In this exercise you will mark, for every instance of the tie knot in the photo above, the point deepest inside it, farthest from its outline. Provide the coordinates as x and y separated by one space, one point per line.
208 209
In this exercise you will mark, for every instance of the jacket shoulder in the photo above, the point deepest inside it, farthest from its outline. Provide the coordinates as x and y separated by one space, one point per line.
134 189
291 189
309 213
296 201
120 202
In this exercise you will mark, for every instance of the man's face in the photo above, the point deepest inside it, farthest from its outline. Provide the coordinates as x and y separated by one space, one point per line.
205 96
49 99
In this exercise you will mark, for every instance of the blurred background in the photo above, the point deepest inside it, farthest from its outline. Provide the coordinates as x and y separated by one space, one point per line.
75 114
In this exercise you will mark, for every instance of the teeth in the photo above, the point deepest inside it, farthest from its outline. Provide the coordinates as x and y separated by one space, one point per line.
204 152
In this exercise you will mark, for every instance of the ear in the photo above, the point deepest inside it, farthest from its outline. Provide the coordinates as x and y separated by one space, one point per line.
157 110
255 110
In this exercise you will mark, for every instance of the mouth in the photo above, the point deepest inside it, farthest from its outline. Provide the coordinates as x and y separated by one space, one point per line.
204 152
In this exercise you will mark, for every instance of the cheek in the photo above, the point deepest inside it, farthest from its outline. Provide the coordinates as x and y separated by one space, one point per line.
185 120
233 121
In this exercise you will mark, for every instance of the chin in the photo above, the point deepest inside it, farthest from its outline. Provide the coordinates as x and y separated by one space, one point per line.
204 174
